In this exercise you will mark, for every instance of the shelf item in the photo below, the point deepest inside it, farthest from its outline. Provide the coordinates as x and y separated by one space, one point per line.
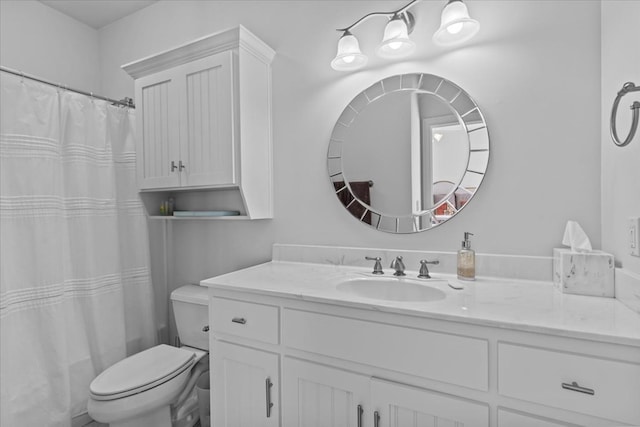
205 213
204 119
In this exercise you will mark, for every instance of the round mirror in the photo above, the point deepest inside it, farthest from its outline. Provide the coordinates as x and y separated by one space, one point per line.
408 153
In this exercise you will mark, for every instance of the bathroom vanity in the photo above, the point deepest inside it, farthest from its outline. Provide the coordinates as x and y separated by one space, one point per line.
295 344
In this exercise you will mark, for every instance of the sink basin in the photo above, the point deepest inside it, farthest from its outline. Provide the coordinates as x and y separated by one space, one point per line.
390 289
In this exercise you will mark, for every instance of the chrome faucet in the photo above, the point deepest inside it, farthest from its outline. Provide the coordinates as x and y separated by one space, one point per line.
398 265
424 270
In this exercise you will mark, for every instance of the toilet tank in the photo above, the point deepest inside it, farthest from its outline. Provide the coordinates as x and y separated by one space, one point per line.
191 311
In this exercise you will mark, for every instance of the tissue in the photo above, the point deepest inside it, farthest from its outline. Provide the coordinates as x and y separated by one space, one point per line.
576 238
581 270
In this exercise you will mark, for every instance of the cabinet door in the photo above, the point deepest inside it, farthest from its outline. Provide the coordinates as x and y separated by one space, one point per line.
206 117
241 395
319 396
158 130
507 418
399 405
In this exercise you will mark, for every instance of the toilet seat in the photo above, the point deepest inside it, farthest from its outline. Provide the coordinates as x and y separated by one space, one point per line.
141 372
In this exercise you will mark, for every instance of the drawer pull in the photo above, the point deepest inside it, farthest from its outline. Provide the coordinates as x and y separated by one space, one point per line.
240 320
359 415
205 328
268 385
376 419
575 387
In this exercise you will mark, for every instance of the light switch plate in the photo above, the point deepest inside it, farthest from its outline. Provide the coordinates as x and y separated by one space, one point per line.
634 235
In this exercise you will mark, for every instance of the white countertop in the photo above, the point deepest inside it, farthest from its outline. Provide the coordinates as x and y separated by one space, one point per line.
526 305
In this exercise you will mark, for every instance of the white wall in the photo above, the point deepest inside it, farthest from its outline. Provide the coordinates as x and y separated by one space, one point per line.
620 166
535 77
41 41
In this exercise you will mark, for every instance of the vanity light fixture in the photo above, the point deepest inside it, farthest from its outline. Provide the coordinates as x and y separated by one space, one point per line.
456 27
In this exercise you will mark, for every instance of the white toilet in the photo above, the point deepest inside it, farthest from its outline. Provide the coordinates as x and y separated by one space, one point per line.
156 386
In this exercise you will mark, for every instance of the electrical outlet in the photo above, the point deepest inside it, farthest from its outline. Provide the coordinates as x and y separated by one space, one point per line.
634 235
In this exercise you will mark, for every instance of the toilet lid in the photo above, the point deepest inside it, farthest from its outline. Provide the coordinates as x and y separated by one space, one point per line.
141 372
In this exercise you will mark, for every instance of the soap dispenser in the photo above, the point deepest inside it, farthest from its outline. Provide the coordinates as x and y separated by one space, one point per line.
466 260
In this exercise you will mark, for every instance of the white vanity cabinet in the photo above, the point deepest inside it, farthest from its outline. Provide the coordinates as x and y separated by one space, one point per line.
244 387
316 395
245 378
359 365
400 405
204 118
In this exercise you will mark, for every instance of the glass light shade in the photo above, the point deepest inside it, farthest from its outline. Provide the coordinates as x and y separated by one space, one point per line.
396 42
455 26
349 56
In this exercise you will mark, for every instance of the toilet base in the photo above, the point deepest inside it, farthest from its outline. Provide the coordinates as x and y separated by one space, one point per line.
161 417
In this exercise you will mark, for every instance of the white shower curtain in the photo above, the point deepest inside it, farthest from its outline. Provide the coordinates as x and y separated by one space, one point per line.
75 292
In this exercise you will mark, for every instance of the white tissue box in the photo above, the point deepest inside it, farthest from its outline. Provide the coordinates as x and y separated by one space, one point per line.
583 273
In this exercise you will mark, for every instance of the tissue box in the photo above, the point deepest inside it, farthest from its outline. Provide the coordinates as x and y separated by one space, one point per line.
583 273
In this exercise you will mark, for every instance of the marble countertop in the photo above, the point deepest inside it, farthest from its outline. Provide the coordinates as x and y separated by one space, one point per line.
527 305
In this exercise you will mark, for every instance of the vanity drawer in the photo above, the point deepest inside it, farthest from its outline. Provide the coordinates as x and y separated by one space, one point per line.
442 357
599 387
244 319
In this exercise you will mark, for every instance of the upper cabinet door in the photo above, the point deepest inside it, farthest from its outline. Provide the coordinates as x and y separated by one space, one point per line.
207 136
158 130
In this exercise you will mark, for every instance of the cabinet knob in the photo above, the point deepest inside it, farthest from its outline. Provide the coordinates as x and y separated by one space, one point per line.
173 166
181 166
205 328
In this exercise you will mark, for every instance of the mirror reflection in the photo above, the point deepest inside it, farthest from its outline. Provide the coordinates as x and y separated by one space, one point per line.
408 153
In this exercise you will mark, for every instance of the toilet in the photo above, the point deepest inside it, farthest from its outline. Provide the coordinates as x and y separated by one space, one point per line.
155 388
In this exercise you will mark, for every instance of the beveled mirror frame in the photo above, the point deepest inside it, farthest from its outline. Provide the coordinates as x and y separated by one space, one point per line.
469 116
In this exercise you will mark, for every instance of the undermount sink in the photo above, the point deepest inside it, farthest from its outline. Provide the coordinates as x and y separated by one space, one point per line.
390 289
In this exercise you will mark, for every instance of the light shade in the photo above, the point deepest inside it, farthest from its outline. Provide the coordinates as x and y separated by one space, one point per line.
396 42
349 56
455 26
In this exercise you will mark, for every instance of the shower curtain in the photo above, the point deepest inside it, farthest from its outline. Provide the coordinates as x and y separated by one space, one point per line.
75 293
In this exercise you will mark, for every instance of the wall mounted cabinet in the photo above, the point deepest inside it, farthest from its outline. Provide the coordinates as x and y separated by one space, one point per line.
204 120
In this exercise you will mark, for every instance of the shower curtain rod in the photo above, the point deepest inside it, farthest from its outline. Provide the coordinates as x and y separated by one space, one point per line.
126 102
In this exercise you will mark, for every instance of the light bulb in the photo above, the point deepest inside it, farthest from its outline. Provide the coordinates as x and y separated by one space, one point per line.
349 56
455 26
396 42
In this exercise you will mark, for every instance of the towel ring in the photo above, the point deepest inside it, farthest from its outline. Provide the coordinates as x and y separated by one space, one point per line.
635 107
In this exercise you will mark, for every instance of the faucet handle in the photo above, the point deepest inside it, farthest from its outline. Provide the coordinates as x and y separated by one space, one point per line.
424 270
377 267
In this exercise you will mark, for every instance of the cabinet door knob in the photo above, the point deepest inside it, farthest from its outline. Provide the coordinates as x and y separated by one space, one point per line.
205 328
240 320
575 387
173 166
181 166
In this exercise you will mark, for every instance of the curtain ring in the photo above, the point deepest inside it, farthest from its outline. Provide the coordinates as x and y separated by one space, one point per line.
635 111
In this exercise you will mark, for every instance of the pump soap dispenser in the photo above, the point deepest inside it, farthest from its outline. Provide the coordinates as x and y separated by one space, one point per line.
466 260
